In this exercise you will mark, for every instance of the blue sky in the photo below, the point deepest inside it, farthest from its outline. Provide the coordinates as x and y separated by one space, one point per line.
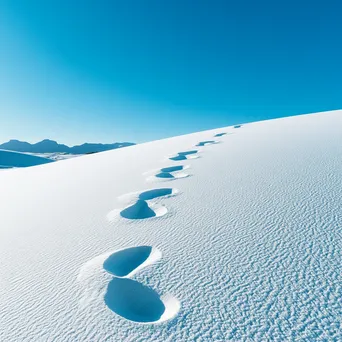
139 70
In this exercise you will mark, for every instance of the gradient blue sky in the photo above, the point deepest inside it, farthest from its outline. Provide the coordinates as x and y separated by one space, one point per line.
139 70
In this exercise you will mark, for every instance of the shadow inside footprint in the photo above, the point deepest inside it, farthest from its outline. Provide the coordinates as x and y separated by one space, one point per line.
172 168
134 301
164 175
183 155
187 152
208 142
220 134
139 210
155 193
167 172
237 126
122 263
179 157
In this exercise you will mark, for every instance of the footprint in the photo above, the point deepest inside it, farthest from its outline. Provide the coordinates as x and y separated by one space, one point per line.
164 175
237 126
126 262
172 168
187 152
155 193
208 142
168 172
220 134
138 303
185 155
134 301
120 263
142 210
179 157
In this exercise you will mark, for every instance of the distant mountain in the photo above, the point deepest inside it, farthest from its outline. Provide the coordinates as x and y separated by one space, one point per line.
92 148
50 146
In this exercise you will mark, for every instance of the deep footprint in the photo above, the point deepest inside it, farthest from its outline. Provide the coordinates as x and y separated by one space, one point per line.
138 211
183 155
134 301
122 263
220 134
208 142
237 126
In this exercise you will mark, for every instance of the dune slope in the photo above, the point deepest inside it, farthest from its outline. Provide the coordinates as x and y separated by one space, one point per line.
244 244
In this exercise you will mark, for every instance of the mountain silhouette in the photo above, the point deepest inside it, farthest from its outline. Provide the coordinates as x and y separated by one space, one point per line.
51 146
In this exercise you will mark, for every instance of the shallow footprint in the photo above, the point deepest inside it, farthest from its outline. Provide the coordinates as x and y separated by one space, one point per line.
170 173
220 134
165 175
123 262
155 193
187 152
172 168
237 126
208 142
141 210
178 158
185 155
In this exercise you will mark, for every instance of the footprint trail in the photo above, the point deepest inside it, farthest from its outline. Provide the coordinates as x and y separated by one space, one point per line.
129 298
